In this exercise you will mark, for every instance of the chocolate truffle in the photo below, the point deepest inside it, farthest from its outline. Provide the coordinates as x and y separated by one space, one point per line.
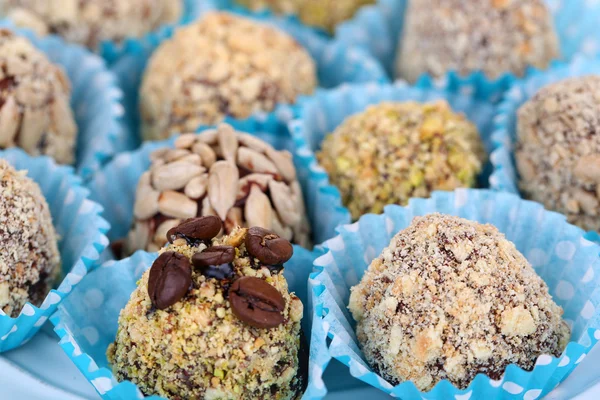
394 151
90 22
233 175
558 149
451 298
466 36
222 65
29 260
326 14
232 331
35 110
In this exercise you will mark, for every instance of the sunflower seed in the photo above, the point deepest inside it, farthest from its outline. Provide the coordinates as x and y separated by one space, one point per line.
177 205
138 237
192 159
206 153
283 162
228 143
64 123
185 140
254 143
234 219
160 236
158 154
208 136
10 119
297 191
146 198
258 209
207 208
196 187
284 202
283 231
174 176
222 187
34 124
255 161
262 180
175 154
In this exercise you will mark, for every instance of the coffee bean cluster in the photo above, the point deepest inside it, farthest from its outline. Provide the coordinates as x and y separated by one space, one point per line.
253 300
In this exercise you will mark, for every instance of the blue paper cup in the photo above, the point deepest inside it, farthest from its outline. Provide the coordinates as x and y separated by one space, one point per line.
336 63
378 28
80 229
559 253
87 321
321 114
95 100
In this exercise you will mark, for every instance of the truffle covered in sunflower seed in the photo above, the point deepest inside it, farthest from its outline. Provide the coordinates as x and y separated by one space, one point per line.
326 14
29 259
91 22
213 319
233 175
35 111
394 151
558 149
451 298
222 65
466 36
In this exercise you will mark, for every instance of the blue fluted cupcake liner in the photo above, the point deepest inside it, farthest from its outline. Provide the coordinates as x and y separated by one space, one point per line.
378 28
95 100
559 253
320 114
336 62
87 321
81 239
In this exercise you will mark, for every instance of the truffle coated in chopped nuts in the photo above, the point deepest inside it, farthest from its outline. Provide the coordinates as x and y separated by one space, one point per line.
493 36
257 187
90 22
221 65
199 349
35 110
394 151
326 14
558 149
451 298
29 260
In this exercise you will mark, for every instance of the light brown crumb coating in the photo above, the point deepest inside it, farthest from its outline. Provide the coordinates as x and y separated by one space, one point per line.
558 149
222 65
326 14
394 151
493 36
198 349
29 260
89 22
451 298
35 110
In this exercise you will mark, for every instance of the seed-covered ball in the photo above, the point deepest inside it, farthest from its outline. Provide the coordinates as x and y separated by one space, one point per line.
35 110
233 175
451 298
91 22
222 65
466 36
213 319
326 14
558 149
394 151
29 260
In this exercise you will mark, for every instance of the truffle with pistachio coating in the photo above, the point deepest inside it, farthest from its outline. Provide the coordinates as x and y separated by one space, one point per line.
29 259
35 109
232 175
234 332
221 65
90 22
326 14
394 151
449 299
466 36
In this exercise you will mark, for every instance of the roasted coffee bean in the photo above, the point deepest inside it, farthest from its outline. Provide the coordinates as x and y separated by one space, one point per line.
256 303
170 279
196 229
215 255
268 247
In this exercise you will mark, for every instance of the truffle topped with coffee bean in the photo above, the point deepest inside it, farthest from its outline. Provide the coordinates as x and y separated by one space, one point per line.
222 65
558 149
213 318
234 176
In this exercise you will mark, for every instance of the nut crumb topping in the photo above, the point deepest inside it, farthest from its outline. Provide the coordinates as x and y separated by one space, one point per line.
558 149
451 298
29 260
221 65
